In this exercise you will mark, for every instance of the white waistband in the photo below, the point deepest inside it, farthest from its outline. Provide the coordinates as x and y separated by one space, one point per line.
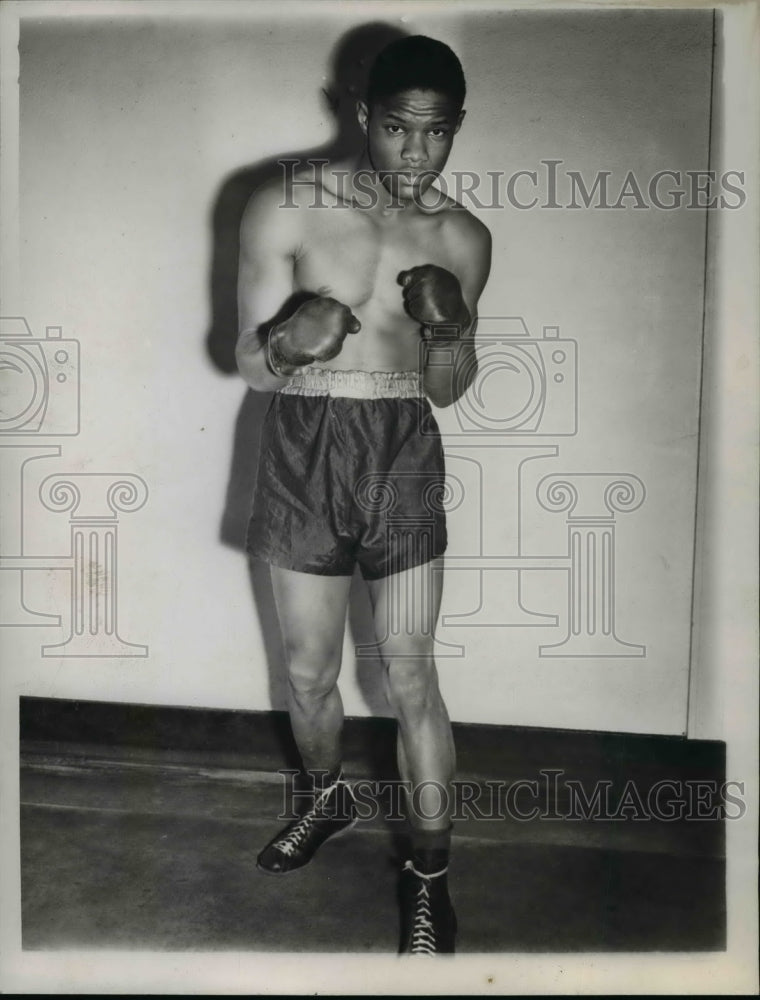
355 384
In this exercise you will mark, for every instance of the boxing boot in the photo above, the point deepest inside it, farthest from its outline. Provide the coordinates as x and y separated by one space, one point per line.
428 921
332 810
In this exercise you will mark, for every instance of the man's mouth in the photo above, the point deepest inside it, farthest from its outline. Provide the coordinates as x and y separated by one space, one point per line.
413 176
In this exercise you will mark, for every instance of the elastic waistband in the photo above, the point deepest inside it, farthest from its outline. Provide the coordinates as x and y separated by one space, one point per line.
355 384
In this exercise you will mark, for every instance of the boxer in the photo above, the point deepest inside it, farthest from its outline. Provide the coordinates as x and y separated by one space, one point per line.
358 293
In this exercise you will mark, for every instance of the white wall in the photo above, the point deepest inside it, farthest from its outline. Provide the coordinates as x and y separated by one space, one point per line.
131 129
723 697
622 92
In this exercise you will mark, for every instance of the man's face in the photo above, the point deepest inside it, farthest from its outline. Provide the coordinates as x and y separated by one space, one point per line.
409 138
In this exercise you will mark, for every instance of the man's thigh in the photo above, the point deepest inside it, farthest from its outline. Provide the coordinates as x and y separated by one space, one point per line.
312 613
406 607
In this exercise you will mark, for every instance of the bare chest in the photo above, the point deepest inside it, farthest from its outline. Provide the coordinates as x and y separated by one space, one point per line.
356 258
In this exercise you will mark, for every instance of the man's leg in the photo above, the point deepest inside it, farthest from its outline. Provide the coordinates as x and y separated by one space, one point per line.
312 614
406 607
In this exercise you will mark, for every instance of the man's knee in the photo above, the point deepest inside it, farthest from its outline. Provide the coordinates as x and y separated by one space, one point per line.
309 687
312 669
412 682
306 650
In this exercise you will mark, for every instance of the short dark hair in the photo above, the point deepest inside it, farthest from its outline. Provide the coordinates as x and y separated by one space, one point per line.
416 63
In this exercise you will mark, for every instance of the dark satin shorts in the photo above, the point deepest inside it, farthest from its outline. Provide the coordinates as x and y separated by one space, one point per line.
345 480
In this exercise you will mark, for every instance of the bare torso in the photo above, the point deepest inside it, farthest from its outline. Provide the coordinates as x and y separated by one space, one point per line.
355 255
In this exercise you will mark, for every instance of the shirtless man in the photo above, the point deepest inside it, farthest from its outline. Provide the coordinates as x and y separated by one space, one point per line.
358 294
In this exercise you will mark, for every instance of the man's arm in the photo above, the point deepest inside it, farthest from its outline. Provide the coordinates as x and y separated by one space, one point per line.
450 362
281 333
265 282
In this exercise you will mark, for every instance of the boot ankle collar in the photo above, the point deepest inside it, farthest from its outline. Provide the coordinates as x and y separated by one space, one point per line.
409 866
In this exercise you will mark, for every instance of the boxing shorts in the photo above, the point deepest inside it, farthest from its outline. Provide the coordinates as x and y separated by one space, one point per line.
351 471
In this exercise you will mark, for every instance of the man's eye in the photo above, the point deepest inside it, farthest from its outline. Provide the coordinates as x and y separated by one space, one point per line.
394 129
438 133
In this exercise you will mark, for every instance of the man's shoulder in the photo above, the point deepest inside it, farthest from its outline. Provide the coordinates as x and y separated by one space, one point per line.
464 225
266 216
278 192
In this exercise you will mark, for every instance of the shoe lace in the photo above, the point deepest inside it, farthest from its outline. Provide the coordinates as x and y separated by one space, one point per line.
301 829
423 933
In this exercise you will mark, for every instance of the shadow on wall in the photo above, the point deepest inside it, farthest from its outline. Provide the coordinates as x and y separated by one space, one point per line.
349 65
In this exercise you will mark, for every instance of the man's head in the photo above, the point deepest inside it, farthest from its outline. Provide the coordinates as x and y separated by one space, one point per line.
412 111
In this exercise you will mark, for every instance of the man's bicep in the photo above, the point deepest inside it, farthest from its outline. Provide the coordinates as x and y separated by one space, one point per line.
265 275
476 271
264 282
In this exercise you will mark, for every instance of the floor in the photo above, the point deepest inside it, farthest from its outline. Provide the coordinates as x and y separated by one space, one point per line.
157 854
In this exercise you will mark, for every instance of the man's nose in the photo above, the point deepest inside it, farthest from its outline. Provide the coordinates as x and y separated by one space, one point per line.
414 150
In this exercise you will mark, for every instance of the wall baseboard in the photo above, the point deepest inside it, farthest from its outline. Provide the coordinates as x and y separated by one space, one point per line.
262 740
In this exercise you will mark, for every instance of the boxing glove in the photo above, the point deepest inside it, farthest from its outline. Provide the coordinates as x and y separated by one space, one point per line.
433 297
315 332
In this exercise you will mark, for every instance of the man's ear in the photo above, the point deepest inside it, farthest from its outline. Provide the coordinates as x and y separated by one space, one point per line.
460 119
362 115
